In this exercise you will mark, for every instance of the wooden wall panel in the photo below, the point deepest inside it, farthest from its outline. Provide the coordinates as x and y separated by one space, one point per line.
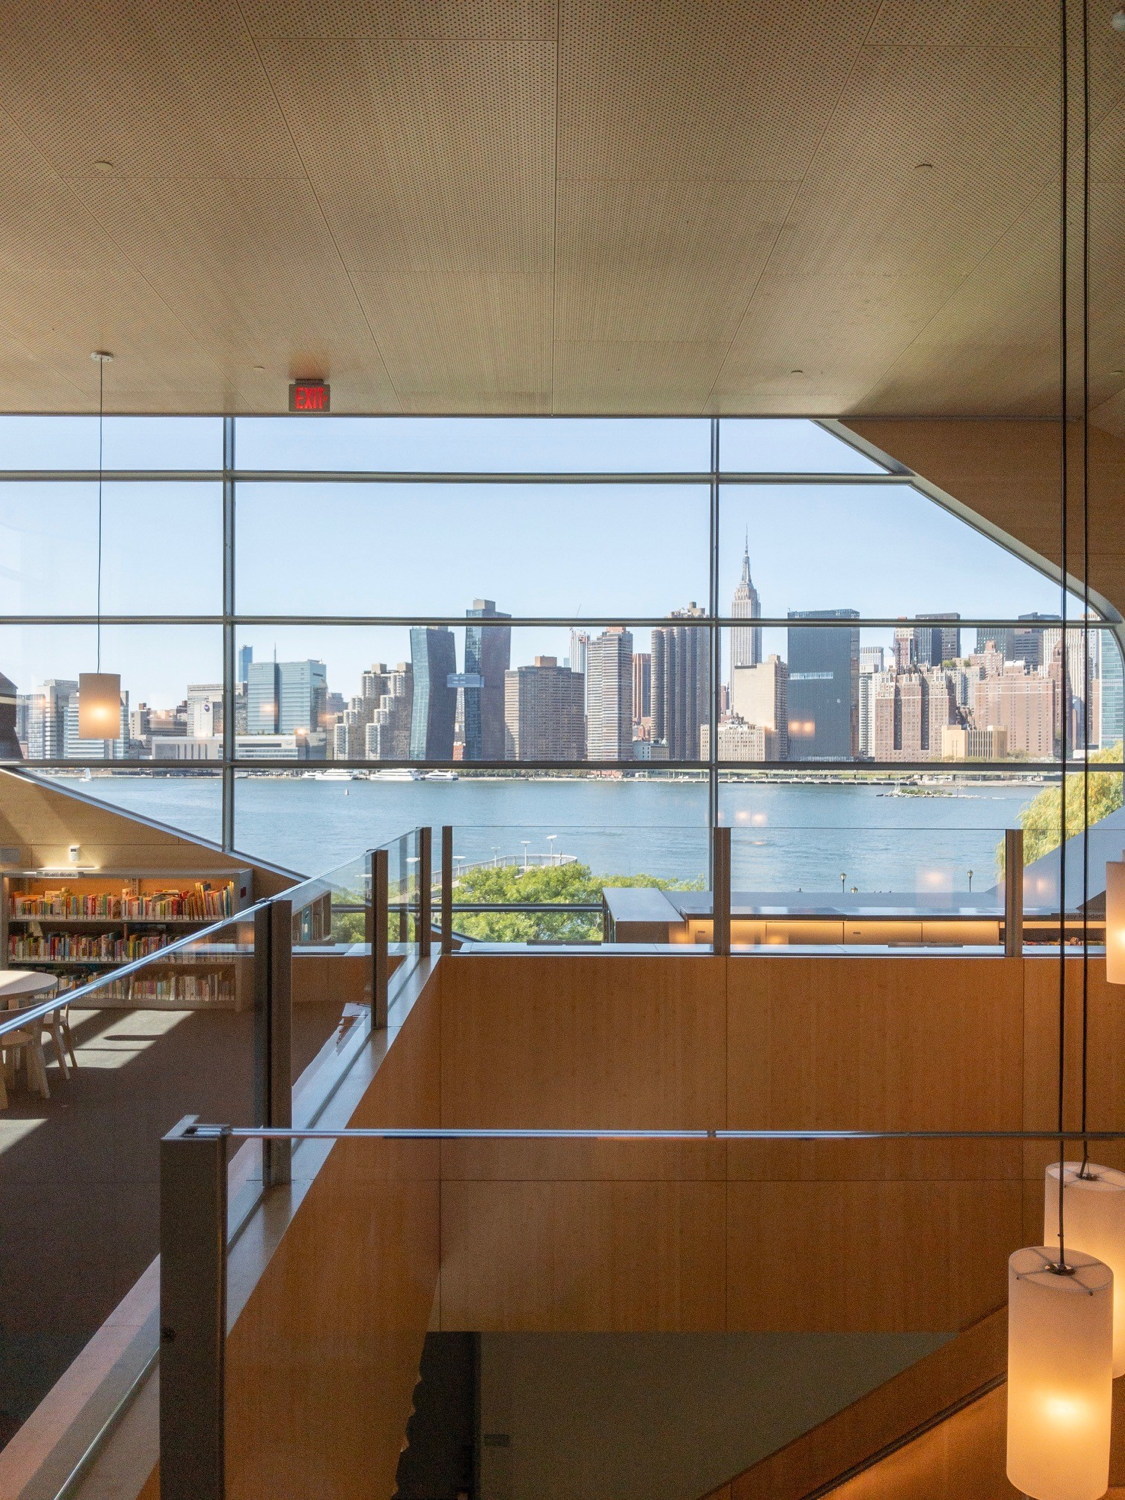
566 1042
583 1256
324 1358
875 1044
853 1256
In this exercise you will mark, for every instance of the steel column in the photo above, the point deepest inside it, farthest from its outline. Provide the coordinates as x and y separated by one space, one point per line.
273 1031
1013 893
425 891
380 951
720 892
447 889
193 1310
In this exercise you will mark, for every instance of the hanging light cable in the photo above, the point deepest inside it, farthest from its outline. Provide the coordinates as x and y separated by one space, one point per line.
99 693
1060 1300
1095 1195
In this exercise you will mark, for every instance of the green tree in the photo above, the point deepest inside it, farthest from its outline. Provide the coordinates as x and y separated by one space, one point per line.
1041 819
560 884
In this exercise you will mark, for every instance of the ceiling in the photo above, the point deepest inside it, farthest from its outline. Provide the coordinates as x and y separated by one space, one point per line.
522 206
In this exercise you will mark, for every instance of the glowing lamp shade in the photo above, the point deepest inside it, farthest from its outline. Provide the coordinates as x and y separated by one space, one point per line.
1060 1375
1115 921
99 706
1095 1223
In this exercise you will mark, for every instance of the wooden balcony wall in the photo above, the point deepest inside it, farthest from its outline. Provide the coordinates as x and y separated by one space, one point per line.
857 1236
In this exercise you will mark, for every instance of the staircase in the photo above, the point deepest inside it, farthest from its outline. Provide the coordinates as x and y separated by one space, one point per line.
438 1456
934 1432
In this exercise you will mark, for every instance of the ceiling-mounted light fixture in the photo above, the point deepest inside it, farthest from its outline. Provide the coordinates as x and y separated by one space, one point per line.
1095 1224
99 693
1060 1382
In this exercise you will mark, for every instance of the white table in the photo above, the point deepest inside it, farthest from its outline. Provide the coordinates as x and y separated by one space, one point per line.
21 986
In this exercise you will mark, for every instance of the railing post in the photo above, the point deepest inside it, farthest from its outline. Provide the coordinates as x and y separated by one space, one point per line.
447 889
425 891
273 1032
720 891
1013 892
403 900
379 922
193 1310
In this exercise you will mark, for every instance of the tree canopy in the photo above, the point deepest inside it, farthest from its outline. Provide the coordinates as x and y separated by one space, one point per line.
561 884
1041 819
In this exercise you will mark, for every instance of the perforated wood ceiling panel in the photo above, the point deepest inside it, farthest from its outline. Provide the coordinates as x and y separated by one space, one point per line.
549 205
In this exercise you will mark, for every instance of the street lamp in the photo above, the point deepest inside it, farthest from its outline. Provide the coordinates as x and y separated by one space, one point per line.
971 873
843 881
551 837
525 843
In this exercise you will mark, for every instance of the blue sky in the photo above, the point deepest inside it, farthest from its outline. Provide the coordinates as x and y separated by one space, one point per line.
400 549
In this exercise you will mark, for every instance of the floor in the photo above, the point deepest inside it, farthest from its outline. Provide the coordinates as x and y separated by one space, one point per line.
78 1171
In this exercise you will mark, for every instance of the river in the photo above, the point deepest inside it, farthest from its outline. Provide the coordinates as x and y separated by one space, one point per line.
786 837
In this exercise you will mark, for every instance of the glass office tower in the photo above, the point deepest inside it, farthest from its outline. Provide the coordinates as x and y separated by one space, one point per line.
433 659
488 655
823 686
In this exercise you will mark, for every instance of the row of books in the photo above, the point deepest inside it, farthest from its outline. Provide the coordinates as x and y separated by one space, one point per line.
181 989
202 902
61 946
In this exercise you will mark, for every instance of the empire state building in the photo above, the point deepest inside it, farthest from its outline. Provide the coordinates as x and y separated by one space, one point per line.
746 641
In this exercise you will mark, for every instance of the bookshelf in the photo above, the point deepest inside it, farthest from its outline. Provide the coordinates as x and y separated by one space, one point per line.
82 925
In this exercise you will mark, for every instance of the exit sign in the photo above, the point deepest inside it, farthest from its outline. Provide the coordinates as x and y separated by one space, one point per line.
310 395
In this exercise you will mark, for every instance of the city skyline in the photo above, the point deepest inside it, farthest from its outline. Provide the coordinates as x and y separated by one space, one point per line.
829 694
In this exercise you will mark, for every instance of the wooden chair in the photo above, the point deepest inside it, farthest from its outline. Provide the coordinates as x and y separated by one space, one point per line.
26 1045
57 1025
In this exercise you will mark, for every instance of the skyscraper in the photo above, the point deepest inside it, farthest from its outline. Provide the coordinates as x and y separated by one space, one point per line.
488 654
823 686
1111 705
680 684
387 736
760 696
1033 645
433 658
245 657
642 686
45 718
286 697
934 644
745 640
543 712
609 695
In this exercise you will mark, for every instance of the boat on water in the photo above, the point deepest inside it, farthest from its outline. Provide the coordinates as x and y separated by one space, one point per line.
338 773
395 773
440 776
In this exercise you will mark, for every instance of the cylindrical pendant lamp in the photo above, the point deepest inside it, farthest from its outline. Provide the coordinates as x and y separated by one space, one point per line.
1060 1374
1115 921
1095 1223
99 705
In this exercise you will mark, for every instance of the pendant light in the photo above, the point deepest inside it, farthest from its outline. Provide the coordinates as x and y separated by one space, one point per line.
1095 1224
1115 921
1060 1387
99 693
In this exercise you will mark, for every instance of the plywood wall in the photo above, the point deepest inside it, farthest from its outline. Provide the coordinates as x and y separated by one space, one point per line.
633 1236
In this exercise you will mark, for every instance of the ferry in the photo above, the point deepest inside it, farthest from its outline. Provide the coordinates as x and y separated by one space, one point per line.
337 774
440 776
395 773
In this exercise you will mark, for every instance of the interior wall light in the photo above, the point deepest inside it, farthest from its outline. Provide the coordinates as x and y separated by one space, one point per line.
1115 921
99 693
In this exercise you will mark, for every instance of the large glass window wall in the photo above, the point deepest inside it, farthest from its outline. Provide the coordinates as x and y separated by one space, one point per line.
610 614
